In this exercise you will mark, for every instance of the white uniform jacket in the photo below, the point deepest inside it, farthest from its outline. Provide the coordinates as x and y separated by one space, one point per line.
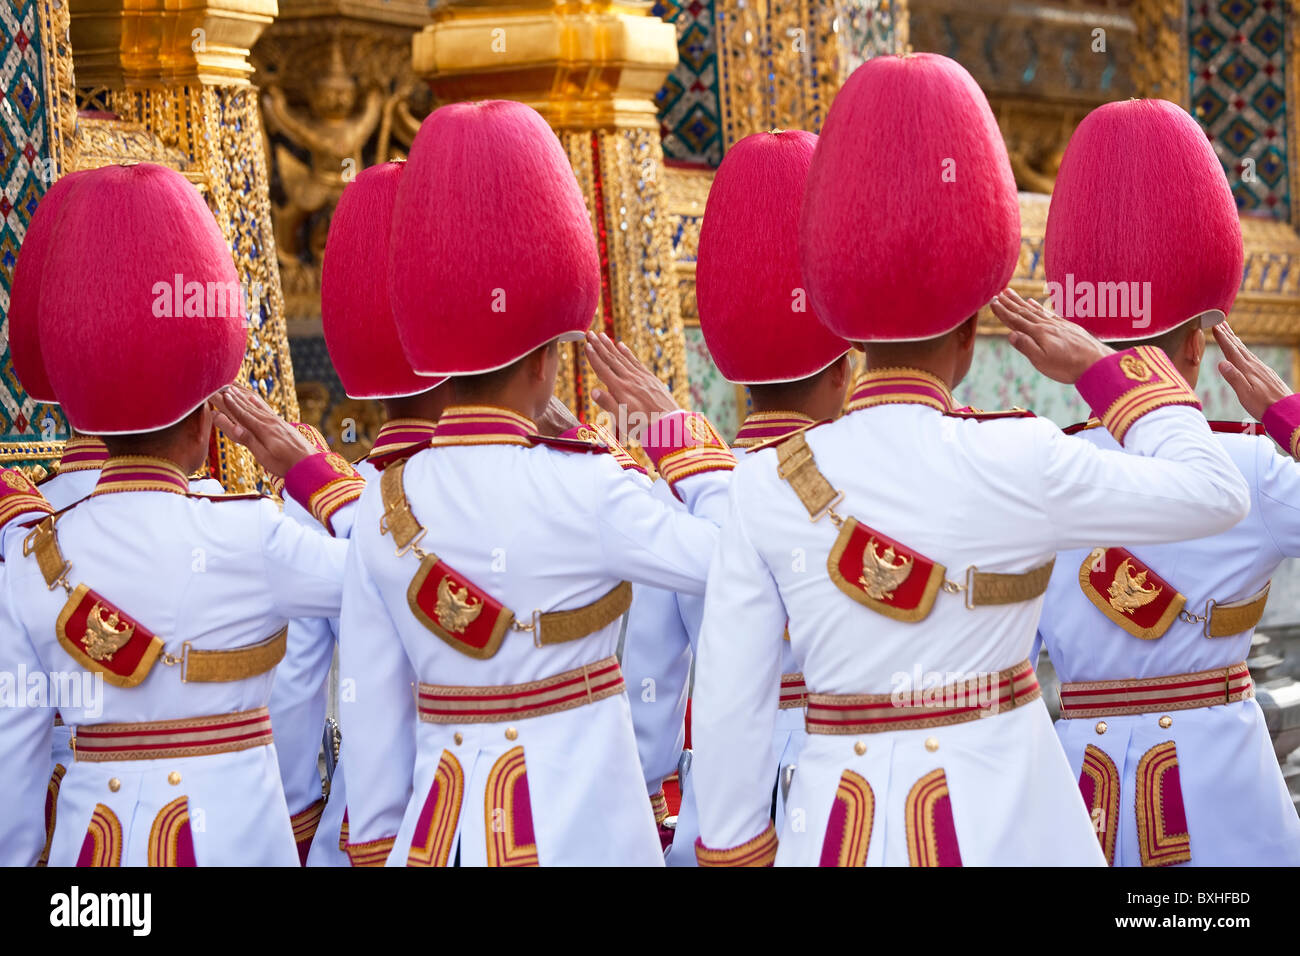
537 528
199 574
1001 495
1227 804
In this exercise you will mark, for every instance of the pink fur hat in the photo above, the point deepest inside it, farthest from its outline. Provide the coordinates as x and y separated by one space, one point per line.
910 220
25 293
754 311
493 253
143 329
355 313
1143 233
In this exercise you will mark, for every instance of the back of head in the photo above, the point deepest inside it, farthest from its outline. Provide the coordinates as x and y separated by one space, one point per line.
493 253
753 308
141 332
1142 233
910 220
25 293
356 316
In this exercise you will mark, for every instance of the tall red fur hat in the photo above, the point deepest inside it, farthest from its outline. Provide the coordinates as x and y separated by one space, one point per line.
137 338
1141 198
910 219
753 308
492 252
355 313
25 293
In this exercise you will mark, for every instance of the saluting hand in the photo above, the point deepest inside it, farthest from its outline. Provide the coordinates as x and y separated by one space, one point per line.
1058 348
1257 386
627 382
245 418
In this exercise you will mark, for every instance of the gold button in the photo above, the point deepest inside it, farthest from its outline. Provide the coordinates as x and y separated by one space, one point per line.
511 733
459 738
174 778
1166 721
1101 726
115 785
859 748
932 744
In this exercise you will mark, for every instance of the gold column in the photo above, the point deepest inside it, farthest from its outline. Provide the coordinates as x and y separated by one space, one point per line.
174 75
781 62
591 67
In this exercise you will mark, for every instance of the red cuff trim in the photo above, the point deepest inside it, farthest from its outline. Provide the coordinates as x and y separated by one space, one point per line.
1282 422
1123 387
760 851
304 824
18 496
659 804
323 483
373 853
683 444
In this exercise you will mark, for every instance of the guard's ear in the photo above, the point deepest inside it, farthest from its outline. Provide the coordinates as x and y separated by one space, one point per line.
1194 346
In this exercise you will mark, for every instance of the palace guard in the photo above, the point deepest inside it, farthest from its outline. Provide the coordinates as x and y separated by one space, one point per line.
907 545
761 333
174 603
1149 639
489 570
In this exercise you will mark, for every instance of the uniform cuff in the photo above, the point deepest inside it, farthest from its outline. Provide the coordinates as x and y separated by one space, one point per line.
760 851
1282 422
19 497
683 443
659 804
323 483
304 824
1123 387
373 853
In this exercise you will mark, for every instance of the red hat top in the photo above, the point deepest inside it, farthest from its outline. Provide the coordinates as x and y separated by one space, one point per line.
754 311
355 313
492 253
1142 233
137 339
25 293
910 220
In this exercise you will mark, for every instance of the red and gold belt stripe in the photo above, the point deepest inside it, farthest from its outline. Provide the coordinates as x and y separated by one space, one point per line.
1148 695
439 704
954 703
794 693
190 737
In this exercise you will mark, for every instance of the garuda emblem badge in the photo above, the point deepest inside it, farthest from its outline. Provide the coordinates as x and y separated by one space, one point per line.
883 571
883 574
1129 593
456 609
105 636
453 609
106 640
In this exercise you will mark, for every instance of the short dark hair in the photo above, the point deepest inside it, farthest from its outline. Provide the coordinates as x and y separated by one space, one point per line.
150 444
473 389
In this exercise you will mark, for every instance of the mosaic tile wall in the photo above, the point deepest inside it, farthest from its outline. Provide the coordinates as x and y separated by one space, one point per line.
1238 64
689 112
23 174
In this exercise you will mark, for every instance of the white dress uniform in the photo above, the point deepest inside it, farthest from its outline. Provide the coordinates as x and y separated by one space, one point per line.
300 696
1187 780
520 750
74 479
201 575
662 637
1001 495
